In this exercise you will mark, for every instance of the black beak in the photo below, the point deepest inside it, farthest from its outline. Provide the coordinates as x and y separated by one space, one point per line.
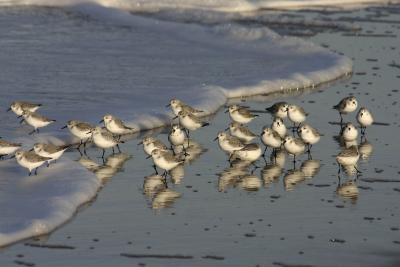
167 106
9 109
89 132
216 138
262 134
149 156
31 149
175 117
64 127
140 143
227 129
226 111
101 121
13 156
19 116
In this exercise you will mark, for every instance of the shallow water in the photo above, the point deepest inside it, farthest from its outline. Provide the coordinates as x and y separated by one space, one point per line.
310 224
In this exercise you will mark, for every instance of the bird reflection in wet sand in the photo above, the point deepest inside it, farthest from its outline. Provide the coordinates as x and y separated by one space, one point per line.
271 173
153 184
348 190
365 149
250 182
177 174
278 157
193 151
113 164
230 176
164 199
293 178
310 168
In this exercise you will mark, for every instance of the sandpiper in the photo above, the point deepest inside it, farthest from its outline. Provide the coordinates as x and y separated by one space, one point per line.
241 132
349 132
348 157
250 152
240 114
345 106
309 135
150 143
177 136
81 130
228 143
30 160
279 127
18 107
294 146
104 139
50 151
364 118
165 160
178 106
278 110
297 115
115 125
270 138
190 122
35 120
7 148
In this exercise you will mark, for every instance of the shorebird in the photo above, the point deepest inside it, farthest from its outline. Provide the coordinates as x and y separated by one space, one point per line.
35 120
270 138
297 115
190 122
345 106
103 139
228 143
50 151
278 110
165 160
309 135
241 132
81 130
348 157
30 160
279 127
349 132
364 118
7 148
18 107
240 114
178 106
294 146
149 144
116 126
250 153
177 136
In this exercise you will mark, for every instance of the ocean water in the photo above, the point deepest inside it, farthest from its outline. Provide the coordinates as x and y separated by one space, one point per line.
84 60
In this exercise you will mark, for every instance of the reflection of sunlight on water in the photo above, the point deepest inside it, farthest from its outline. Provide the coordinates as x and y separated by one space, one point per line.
310 168
348 190
292 178
164 198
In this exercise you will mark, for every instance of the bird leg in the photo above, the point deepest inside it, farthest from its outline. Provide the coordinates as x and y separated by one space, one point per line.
36 170
104 151
118 148
155 168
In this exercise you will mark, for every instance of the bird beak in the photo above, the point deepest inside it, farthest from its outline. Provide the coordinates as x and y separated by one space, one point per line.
227 129
175 117
226 111
20 116
64 127
13 156
216 138
262 134
167 106
9 109
91 131
31 149
149 156
101 121
140 143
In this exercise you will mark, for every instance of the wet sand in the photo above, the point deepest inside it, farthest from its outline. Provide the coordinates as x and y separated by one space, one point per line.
282 219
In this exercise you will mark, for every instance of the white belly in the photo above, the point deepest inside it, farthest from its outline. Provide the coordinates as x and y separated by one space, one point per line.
235 116
8 150
270 141
36 123
189 124
177 139
102 142
296 117
29 165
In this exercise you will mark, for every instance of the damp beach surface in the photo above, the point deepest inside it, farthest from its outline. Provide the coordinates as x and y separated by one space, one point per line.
206 218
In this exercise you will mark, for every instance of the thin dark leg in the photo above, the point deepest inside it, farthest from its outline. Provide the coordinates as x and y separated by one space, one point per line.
84 147
339 169
265 150
113 150
188 136
358 172
155 168
32 132
36 170
118 148
30 173
104 151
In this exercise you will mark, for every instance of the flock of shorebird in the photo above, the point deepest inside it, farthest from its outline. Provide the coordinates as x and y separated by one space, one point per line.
238 143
